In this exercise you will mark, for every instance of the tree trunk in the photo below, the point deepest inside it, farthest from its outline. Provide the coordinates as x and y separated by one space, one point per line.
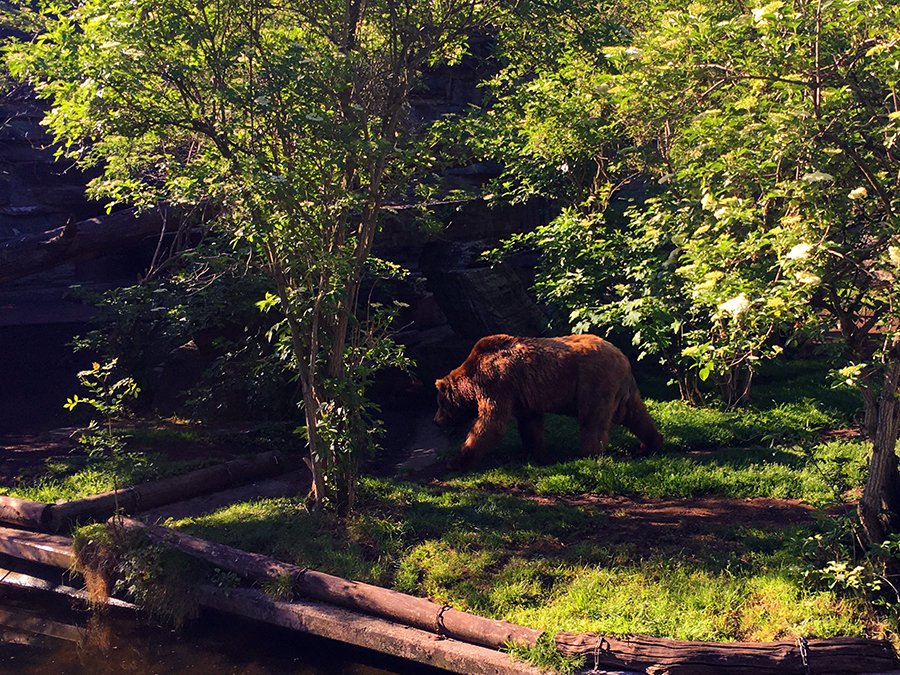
879 507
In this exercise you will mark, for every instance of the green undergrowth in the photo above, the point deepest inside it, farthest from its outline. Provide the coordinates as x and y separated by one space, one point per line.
817 473
79 476
89 472
530 544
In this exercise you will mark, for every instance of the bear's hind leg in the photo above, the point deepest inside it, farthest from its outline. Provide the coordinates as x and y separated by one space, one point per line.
531 430
595 418
595 436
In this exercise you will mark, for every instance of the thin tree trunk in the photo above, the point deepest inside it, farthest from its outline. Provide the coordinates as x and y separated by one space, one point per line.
305 370
879 507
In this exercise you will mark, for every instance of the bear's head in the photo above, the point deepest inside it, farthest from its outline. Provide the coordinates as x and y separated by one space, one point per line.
455 405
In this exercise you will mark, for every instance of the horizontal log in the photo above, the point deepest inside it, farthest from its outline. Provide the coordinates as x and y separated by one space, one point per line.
659 656
24 513
47 549
366 598
369 632
313 618
22 580
655 656
28 622
166 491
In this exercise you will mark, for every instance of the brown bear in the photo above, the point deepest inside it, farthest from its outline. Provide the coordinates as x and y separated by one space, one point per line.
582 376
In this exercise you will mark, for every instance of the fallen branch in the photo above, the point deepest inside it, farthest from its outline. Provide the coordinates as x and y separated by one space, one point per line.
24 513
166 491
29 622
655 656
21 579
47 549
380 635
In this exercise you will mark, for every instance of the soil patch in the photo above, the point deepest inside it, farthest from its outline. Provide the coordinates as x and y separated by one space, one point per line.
708 524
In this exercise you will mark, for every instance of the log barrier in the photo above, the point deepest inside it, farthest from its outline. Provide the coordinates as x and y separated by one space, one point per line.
382 602
317 619
659 656
417 629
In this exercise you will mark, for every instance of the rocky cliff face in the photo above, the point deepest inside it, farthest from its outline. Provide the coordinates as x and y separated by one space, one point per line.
38 320
453 296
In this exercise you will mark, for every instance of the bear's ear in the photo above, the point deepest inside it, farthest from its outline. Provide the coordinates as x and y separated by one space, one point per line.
440 385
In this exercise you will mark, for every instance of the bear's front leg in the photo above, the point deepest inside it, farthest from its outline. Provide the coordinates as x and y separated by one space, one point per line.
486 434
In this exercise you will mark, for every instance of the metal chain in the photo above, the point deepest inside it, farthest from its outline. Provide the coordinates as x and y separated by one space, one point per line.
439 626
804 653
597 647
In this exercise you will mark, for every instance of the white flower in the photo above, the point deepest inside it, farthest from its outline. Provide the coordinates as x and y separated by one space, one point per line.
721 212
858 193
262 100
736 306
708 202
564 167
313 117
817 177
770 11
799 252
807 278
894 255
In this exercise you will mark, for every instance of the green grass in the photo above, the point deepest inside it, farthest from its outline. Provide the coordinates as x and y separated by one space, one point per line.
816 475
79 476
82 476
523 542
553 566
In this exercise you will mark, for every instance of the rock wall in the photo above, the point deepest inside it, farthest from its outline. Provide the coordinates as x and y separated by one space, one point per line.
453 296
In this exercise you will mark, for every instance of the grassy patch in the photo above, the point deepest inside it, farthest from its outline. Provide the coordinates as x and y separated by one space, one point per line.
524 543
550 565
527 543
817 475
81 476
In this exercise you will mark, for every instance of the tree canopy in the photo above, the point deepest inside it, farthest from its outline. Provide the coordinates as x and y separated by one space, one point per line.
293 117
732 180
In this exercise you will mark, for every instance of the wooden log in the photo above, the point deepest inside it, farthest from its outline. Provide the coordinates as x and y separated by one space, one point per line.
365 631
32 623
166 491
316 619
658 656
29 581
655 656
47 549
382 602
24 513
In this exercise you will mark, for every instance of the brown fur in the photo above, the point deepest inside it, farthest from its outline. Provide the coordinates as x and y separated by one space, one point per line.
580 375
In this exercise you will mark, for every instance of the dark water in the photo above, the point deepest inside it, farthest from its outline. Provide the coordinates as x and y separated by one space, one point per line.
119 642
